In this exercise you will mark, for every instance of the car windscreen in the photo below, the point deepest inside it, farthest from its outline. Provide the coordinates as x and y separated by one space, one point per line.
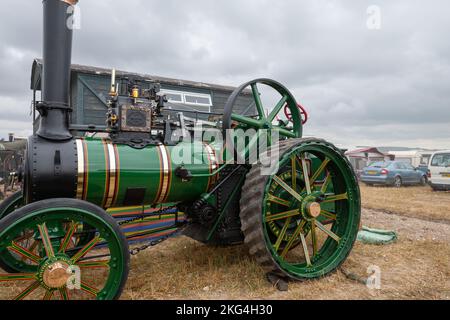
380 164
441 160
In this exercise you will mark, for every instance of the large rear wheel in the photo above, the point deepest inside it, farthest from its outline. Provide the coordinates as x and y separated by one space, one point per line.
302 220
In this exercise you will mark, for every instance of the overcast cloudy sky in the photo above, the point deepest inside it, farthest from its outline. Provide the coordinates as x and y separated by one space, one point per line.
362 86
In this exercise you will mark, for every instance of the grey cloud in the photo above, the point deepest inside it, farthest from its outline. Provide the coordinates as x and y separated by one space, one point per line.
360 85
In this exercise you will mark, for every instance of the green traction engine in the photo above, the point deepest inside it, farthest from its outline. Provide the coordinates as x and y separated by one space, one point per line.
297 213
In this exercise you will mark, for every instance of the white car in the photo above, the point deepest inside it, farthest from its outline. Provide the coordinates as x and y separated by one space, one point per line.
439 170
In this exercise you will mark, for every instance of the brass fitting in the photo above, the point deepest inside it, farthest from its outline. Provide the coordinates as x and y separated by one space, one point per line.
135 93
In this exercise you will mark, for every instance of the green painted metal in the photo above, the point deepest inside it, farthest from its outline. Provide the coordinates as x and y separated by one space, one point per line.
224 210
285 231
145 169
39 220
96 166
263 121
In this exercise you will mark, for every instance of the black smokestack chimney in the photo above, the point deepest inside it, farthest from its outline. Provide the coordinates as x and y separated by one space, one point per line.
55 107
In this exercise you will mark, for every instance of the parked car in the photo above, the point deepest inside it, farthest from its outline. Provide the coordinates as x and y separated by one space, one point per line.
439 170
394 173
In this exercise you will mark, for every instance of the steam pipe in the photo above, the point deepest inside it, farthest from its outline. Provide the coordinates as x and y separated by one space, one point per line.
55 107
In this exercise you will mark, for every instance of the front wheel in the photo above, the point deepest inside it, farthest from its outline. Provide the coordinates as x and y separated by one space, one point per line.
302 220
45 237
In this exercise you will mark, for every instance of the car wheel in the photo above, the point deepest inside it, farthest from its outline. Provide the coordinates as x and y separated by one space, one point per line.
397 182
423 180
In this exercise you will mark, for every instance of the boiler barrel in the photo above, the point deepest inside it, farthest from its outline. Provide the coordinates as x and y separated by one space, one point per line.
116 175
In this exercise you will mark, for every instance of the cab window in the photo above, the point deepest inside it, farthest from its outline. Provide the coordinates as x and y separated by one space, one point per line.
400 165
441 160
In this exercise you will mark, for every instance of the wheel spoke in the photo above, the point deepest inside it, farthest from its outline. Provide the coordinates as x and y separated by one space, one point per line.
282 234
282 215
33 246
327 214
25 253
305 249
328 232
277 200
64 293
333 198
257 98
324 187
314 238
286 187
285 132
28 291
277 108
83 251
293 237
46 240
246 120
89 289
48 295
320 170
17 277
305 173
294 172
93 264
68 237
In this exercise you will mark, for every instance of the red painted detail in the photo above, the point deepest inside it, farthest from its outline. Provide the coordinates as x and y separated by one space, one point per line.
303 112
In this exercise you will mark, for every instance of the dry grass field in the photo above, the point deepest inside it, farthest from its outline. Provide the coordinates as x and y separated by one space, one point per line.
417 266
417 202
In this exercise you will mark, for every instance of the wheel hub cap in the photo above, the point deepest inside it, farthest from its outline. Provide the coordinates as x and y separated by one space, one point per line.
313 209
56 275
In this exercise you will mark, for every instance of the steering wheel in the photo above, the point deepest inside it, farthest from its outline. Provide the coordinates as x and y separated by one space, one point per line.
303 113
258 119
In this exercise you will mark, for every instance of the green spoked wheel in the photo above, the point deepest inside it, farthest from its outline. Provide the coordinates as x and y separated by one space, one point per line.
12 262
255 116
45 235
303 219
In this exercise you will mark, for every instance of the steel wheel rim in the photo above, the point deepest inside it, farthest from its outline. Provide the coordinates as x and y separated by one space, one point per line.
105 236
331 253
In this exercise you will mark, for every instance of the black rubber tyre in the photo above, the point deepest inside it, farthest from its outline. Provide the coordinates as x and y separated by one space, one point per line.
10 204
398 183
251 206
76 204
